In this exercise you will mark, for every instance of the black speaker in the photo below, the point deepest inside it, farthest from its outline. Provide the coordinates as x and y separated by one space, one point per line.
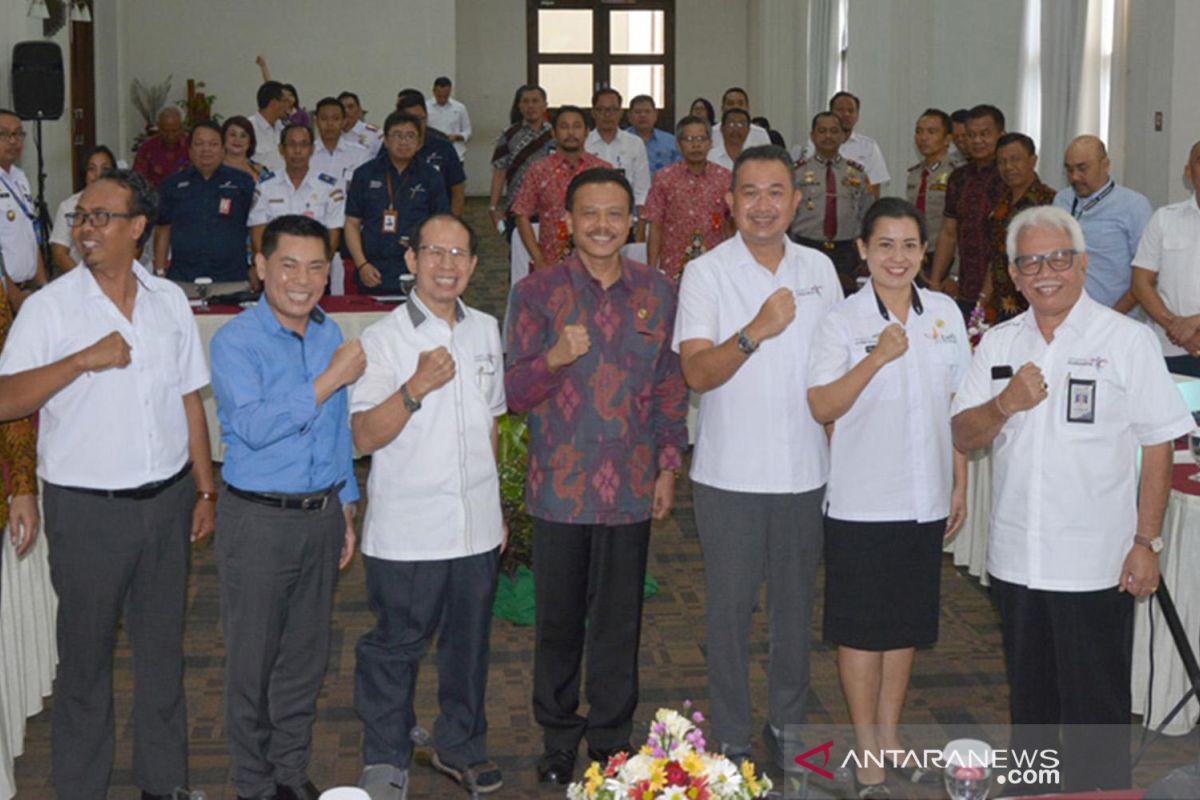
37 80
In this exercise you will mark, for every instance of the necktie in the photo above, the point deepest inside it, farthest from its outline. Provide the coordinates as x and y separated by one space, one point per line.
831 225
921 190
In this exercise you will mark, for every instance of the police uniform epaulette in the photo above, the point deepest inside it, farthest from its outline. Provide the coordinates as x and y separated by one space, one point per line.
370 127
332 181
855 165
916 166
265 175
800 162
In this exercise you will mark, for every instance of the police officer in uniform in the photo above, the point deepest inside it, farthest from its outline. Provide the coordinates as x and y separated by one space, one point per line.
927 179
298 190
354 130
834 198
332 153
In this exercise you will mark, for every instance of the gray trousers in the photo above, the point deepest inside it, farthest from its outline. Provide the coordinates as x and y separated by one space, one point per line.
108 557
278 569
747 538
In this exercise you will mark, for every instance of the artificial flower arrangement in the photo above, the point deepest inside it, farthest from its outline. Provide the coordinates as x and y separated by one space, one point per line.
672 764
977 325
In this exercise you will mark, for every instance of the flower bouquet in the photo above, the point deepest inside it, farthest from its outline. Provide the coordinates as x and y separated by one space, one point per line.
672 764
977 325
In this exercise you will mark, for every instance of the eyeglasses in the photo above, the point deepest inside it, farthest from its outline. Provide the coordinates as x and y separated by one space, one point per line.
694 139
404 136
97 219
735 125
18 136
1059 261
435 252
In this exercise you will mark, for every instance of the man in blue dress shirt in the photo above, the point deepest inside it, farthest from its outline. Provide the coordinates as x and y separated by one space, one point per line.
202 215
1112 218
661 149
389 197
286 521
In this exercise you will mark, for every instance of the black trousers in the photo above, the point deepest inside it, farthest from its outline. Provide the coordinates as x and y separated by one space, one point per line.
1068 656
589 596
845 258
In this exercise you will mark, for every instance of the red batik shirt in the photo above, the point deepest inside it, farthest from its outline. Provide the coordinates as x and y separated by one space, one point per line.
601 428
971 194
544 193
690 210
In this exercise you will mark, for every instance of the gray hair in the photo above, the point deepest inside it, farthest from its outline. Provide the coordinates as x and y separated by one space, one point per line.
1044 217
169 112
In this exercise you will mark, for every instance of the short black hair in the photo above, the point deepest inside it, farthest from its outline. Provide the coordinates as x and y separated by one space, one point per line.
143 200
246 125
442 80
820 114
472 238
596 95
733 89
569 109
642 98
762 152
598 175
407 98
837 96
332 102
959 117
984 110
291 126
208 124
690 119
343 95
712 113
271 90
892 208
731 111
941 116
293 225
1017 138
401 118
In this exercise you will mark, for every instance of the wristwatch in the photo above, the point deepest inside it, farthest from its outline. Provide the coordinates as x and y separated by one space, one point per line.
1155 545
745 343
413 405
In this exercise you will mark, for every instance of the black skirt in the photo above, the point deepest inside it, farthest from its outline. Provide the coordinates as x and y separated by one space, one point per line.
882 583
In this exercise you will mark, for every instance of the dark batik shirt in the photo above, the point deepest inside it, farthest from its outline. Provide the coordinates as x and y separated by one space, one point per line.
1006 300
970 198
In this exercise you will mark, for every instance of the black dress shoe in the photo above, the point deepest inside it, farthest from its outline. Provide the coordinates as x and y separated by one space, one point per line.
556 766
603 754
305 792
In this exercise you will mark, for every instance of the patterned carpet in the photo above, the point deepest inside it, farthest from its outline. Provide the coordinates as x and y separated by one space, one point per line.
961 680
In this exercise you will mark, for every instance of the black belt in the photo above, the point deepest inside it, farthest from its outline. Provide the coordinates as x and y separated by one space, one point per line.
317 501
144 492
823 244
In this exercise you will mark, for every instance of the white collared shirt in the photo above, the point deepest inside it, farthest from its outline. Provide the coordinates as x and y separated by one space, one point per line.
434 489
859 147
266 142
116 428
18 239
320 196
757 136
364 135
627 153
891 458
1064 494
1170 246
339 162
756 433
62 229
452 118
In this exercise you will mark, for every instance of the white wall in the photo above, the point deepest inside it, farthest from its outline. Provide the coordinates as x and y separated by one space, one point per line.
15 27
372 47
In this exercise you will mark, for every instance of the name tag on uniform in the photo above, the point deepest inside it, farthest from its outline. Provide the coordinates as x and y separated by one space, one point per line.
391 221
225 208
1081 400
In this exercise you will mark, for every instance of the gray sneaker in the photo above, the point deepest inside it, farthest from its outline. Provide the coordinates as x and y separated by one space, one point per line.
384 782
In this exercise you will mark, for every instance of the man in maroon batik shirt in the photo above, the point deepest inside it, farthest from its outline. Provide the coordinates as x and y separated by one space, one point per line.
590 361
166 152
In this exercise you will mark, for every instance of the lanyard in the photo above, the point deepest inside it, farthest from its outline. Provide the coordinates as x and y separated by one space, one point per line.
391 196
17 196
1089 205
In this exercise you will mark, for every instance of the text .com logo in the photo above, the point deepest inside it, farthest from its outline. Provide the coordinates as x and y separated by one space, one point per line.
1016 768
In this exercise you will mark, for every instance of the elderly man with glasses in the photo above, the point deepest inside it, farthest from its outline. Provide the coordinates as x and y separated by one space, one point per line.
1069 394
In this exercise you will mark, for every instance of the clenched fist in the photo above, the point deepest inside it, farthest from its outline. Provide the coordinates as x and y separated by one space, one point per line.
1026 389
893 343
348 363
435 368
572 343
110 352
776 314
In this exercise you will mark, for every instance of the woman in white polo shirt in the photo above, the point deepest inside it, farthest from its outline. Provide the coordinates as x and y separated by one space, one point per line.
883 367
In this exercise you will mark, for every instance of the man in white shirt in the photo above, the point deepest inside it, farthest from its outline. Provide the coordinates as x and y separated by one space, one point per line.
356 130
299 189
332 154
268 124
450 117
856 146
1068 393
1164 274
622 149
434 521
111 356
736 97
747 313
18 214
